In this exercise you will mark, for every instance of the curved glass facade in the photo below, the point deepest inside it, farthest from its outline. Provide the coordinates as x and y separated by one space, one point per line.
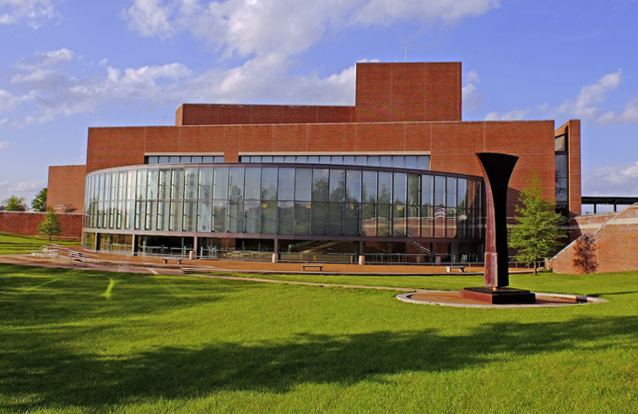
282 201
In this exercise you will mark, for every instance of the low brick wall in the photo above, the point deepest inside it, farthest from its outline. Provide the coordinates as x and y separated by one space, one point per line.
27 223
616 237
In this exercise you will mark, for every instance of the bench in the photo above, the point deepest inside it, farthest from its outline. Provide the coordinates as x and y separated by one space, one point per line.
460 267
304 267
178 261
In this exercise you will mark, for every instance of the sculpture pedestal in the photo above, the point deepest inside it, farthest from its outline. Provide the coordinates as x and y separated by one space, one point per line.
498 296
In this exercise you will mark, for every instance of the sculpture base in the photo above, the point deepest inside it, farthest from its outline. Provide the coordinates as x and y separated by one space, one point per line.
498 296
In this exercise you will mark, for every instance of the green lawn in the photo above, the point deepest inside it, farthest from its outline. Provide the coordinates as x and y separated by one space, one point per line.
16 244
80 341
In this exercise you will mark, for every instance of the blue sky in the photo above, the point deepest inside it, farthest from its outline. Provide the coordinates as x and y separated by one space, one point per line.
67 65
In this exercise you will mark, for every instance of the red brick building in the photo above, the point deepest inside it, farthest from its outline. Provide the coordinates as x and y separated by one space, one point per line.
394 177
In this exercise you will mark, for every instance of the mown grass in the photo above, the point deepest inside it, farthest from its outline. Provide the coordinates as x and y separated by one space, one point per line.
16 244
84 341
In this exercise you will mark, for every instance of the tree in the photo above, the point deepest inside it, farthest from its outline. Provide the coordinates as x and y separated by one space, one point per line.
39 203
585 254
537 233
15 203
51 225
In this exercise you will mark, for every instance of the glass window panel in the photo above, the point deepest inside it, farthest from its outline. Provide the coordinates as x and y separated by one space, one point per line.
164 160
440 216
439 191
450 223
462 193
290 159
206 184
253 180
461 223
186 160
278 158
374 160
252 212
303 184
423 162
368 220
313 159
218 159
353 186
348 160
220 188
351 222
337 185
269 217
220 214
153 160
107 187
385 188
414 187
236 216
414 222
153 181
208 160
198 160
337 160
130 214
302 218
561 166
561 189
140 215
269 184
399 187
384 217
319 220
369 187
385 161
302 159
236 184
325 159
286 184
177 184
164 192
335 219
410 161
190 215
177 212
285 216
267 158
151 215
560 143
163 215
204 215
131 185
254 159
399 221
361 160
191 182
320 185
122 186
451 192
398 161
175 160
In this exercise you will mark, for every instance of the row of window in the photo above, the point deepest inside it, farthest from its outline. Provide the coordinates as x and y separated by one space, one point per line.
183 159
283 200
420 162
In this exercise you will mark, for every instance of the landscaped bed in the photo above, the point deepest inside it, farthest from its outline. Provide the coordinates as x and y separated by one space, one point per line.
78 341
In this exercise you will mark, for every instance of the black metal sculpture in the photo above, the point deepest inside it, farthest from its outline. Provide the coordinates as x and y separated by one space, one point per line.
497 170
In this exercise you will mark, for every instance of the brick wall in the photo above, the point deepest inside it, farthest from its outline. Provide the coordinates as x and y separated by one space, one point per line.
616 235
26 223
66 187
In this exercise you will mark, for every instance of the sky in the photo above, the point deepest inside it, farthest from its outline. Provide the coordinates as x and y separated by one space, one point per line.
67 65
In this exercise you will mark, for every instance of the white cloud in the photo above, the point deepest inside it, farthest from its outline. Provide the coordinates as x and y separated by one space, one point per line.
515 115
289 27
472 99
584 106
612 180
33 13
7 101
4 183
4 145
27 186
630 114
51 58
